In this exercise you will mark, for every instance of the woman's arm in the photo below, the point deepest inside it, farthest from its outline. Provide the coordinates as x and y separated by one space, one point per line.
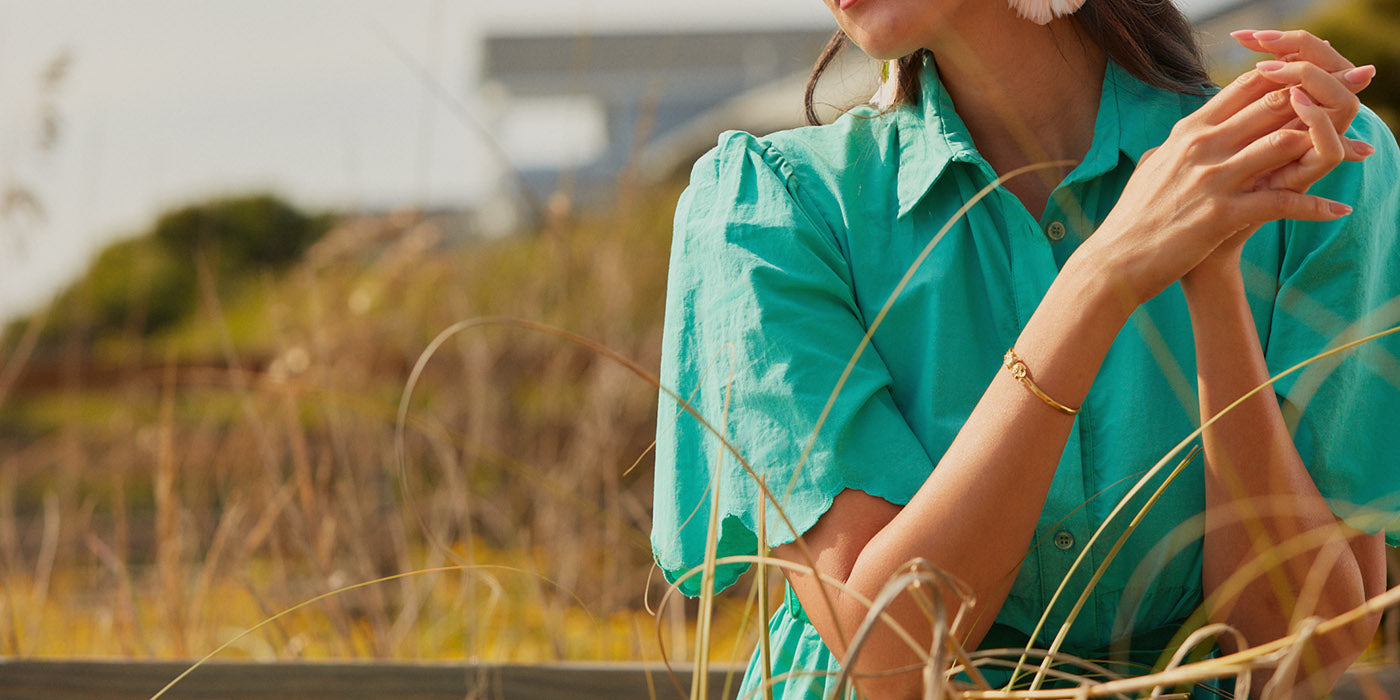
977 511
1259 496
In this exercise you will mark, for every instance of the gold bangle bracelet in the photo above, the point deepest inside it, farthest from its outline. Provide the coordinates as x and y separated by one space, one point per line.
1022 373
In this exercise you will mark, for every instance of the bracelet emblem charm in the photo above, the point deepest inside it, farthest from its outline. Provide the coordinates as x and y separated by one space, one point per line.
1021 373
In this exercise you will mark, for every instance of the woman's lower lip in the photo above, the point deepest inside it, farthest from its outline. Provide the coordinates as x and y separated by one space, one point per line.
846 4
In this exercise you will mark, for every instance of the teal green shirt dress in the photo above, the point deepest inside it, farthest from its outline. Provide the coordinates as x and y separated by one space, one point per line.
787 246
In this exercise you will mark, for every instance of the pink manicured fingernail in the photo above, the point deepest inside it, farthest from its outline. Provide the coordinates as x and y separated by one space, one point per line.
1302 97
1269 66
1362 148
1340 209
1243 34
1358 76
1268 35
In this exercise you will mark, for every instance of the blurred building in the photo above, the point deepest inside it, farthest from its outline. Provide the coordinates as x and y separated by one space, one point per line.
577 116
573 113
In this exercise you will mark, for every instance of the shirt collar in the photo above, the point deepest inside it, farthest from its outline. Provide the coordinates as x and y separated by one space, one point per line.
931 135
1132 118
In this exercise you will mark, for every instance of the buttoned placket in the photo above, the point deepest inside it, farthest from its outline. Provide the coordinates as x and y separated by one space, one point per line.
1038 251
1033 251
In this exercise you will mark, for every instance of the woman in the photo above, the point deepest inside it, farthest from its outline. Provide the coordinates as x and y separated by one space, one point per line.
1223 246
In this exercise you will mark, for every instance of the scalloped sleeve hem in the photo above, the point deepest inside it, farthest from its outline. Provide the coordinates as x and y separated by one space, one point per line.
772 403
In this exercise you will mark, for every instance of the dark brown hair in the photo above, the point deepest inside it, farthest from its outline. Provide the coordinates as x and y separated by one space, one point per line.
1151 39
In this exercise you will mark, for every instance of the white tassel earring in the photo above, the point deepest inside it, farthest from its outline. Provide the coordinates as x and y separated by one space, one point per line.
1042 11
889 86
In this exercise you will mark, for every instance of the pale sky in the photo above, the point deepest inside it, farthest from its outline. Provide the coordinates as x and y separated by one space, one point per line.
170 101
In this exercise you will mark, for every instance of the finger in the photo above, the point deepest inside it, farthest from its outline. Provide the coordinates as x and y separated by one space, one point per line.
1248 87
1352 81
1260 160
1326 153
1327 90
1304 47
1270 113
1252 85
1321 54
1273 205
1326 142
1358 150
1247 40
1357 79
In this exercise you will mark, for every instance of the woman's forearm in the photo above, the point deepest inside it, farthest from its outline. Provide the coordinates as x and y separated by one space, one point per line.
976 514
1261 500
989 488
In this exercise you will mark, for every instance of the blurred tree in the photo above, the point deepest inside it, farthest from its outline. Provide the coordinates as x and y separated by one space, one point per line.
148 283
136 285
258 231
1367 31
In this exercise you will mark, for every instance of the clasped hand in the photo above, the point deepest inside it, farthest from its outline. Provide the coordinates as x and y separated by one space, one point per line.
1247 157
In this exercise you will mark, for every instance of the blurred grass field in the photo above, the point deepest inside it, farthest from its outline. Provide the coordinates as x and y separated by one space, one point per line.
165 486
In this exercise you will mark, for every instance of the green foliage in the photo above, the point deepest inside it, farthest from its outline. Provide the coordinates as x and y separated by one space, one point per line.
1367 31
149 283
258 231
136 284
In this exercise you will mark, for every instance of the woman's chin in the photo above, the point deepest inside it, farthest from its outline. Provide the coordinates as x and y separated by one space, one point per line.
884 31
882 48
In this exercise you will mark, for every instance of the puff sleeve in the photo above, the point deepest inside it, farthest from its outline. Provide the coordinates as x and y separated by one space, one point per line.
1338 282
761 322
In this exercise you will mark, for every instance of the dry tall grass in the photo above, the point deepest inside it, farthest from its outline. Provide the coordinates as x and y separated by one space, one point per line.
158 494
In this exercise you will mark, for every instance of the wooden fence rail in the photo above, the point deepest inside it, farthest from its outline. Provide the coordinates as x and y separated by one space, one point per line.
137 680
